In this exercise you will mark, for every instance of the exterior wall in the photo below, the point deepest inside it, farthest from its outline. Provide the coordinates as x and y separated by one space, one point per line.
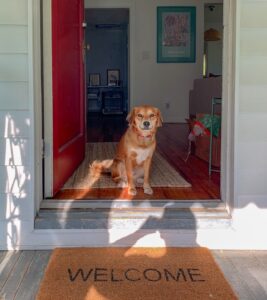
252 106
16 151
250 213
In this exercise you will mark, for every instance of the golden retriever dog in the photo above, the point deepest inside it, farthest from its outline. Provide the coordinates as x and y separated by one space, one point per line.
134 153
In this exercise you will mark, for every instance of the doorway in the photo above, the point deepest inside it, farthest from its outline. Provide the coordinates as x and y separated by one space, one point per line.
106 124
107 60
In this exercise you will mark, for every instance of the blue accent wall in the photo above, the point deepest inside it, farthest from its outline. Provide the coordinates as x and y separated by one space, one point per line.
108 50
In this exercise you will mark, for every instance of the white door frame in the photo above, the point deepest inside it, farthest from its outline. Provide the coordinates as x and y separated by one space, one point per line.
47 97
228 106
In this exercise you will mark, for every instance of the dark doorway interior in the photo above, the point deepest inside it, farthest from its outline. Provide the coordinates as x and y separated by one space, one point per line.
107 60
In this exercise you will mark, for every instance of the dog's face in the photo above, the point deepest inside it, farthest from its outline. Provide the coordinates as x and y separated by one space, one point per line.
145 118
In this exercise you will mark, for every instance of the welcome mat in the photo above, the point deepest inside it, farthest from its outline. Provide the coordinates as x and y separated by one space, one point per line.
162 173
133 273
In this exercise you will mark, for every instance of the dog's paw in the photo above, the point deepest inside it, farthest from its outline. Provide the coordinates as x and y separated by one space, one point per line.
122 184
148 190
140 180
132 191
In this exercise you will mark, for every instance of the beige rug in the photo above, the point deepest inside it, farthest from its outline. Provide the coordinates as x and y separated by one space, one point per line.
133 274
162 173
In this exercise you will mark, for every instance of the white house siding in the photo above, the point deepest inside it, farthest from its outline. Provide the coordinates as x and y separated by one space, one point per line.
252 106
15 120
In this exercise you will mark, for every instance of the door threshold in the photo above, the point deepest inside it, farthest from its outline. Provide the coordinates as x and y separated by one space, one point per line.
68 204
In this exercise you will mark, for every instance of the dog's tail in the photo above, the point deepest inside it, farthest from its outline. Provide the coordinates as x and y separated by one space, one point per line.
103 166
112 166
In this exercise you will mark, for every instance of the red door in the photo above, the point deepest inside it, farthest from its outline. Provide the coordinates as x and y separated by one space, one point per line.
68 89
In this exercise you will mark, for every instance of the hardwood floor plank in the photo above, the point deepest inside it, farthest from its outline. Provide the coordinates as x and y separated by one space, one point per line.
7 265
16 275
31 281
113 193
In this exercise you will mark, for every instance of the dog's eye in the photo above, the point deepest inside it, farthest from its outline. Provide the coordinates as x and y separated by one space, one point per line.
140 116
152 116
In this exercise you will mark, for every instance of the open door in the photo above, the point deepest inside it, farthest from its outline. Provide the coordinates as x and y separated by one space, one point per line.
67 131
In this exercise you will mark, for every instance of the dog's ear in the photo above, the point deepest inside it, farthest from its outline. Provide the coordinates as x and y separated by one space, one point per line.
131 115
159 120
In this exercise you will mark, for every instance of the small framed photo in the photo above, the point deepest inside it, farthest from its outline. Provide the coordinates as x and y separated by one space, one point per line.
94 79
176 34
113 77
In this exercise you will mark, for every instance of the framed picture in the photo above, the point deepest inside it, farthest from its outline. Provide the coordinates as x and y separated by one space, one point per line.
113 76
176 34
94 79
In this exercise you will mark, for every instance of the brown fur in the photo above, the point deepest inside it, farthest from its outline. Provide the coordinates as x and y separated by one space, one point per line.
135 150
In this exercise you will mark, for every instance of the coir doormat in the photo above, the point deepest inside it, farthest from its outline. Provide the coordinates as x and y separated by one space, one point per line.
133 273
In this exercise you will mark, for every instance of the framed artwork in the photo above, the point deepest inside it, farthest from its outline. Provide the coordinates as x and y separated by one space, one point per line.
176 34
94 79
113 76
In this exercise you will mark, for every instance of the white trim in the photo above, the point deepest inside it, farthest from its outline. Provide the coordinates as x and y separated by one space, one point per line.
48 98
228 106
236 45
37 104
34 84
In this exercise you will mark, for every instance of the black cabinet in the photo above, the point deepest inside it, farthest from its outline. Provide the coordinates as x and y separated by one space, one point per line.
112 102
105 99
94 103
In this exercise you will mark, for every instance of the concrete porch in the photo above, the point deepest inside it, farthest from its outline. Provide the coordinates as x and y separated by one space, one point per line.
21 273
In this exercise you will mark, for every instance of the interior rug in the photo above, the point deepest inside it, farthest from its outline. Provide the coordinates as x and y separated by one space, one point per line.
162 174
133 273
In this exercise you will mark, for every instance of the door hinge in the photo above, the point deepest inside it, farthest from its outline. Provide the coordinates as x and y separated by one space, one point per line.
43 148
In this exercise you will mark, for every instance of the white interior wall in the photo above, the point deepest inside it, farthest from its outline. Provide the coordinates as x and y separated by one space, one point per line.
214 19
155 83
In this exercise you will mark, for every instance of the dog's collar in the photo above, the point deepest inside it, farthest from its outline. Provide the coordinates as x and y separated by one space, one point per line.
145 136
142 136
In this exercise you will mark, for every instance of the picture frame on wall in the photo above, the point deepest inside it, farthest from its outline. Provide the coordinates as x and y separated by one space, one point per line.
113 77
94 79
176 34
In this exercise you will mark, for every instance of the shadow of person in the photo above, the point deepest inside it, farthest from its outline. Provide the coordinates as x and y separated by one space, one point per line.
164 272
127 272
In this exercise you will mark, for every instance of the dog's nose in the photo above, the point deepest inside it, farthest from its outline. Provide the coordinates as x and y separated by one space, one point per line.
146 124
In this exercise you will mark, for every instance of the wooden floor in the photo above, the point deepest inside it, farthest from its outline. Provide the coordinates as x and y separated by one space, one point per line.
21 273
172 143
